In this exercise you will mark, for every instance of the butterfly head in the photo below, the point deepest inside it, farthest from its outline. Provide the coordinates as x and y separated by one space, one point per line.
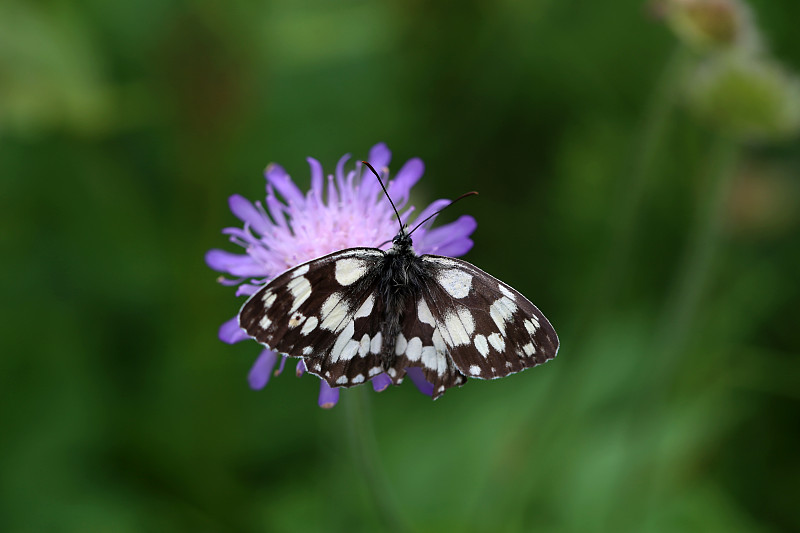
402 240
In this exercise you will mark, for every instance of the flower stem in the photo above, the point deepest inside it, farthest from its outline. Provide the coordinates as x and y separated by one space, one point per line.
365 450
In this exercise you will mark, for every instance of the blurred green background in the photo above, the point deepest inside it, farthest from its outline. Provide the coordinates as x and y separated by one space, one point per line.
648 208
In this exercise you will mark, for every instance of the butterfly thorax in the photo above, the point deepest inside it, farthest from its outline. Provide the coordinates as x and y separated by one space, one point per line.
402 278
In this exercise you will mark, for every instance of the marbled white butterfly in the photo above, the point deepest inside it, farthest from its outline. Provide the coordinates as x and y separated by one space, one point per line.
356 313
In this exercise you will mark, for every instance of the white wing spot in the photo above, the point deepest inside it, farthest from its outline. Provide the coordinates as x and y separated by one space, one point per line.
434 360
428 356
358 378
529 349
341 380
424 313
438 341
497 341
363 348
466 319
456 282
374 371
400 346
481 345
300 288
507 293
456 330
530 326
333 312
264 322
501 312
350 270
299 271
414 349
269 299
341 341
307 351
366 307
310 325
474 370
376 344
350 350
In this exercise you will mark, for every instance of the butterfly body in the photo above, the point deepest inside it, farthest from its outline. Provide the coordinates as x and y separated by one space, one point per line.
360 312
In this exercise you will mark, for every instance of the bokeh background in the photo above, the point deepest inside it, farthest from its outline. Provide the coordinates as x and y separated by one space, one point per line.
639 172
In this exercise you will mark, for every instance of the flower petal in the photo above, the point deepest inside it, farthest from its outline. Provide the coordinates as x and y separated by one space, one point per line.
230 332
283 183
407 177
451 239
455 248
247 289
261 370
234 264
245 211
438 205
328 396
281 365
381 382
418 378
317 181
300 368
379 156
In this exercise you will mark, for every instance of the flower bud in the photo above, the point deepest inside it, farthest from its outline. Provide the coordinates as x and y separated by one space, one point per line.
746 96
710 24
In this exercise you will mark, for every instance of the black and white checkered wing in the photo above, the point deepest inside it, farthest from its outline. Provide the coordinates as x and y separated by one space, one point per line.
325 311
473 323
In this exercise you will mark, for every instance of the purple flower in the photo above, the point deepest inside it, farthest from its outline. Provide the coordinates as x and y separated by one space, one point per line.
345 211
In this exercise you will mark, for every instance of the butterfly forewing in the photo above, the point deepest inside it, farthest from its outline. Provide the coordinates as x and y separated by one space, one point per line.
490 329
326 311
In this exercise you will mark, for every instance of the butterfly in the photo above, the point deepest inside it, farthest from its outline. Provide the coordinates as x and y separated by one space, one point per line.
360 312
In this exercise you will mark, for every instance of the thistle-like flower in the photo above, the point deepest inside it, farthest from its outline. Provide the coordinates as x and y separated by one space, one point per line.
348 211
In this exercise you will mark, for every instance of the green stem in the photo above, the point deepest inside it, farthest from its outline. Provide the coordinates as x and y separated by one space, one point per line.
693 275
365 451
642 173
682 307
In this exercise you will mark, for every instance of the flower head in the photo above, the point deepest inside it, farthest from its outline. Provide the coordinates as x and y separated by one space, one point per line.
346 210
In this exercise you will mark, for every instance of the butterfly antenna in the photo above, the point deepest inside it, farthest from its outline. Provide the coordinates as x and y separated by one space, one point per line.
471 193
387 195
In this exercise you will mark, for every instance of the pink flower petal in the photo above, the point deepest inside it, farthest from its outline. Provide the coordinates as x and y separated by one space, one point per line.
279 179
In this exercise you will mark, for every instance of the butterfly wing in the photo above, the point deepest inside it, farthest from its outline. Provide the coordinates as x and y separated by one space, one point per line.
472 324
325 311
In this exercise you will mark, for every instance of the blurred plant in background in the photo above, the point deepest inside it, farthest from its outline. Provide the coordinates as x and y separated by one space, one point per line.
639 180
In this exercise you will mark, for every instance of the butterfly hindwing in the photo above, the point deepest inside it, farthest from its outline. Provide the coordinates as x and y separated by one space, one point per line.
421 344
